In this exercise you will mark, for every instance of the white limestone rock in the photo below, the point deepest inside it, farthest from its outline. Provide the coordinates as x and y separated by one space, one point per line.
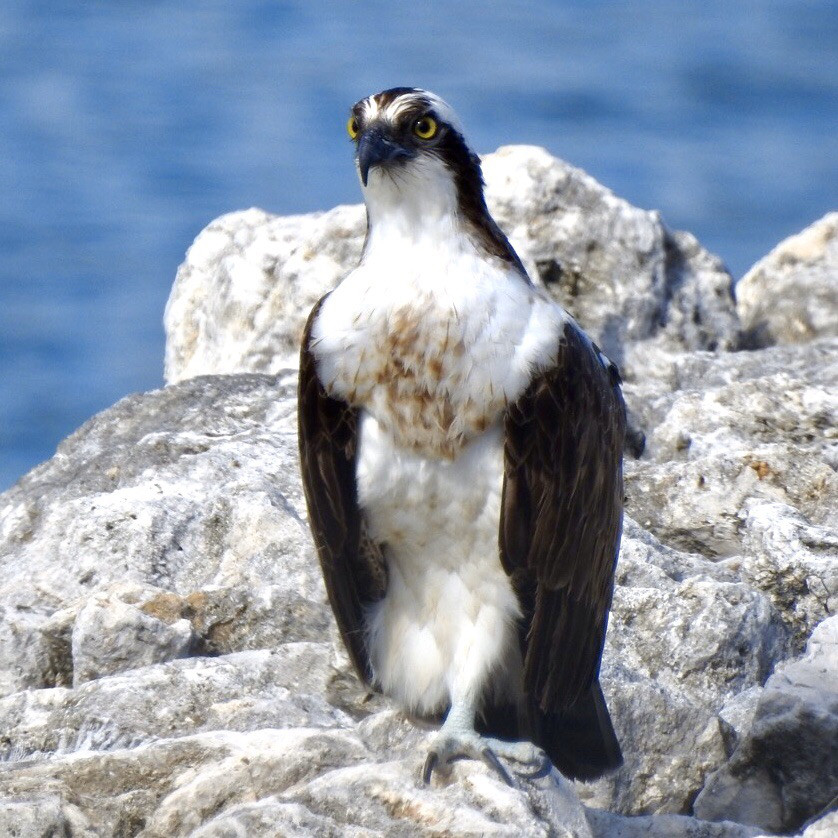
715 635
728 428
825 827
793 561
173 524
287 687
194 492
168 787
270 817
791 295
684 637
738 714
615 267
112 636
240 299
786 766
197 463
209 467
609 825
45 816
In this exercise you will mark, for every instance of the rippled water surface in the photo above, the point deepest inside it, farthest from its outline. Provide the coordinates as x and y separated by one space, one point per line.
126 127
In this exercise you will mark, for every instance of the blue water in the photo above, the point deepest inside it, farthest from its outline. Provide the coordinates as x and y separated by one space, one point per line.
126 127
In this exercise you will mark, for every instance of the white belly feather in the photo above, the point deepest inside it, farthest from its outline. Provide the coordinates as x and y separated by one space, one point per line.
445 628
432 354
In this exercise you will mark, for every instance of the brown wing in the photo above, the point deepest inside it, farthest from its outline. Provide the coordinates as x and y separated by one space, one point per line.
352 565
562 515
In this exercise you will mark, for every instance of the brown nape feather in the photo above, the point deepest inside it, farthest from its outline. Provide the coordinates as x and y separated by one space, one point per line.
468 178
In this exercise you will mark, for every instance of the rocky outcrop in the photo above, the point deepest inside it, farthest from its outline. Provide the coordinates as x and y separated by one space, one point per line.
240 299
791 296
193 651
168 661
786 765
740 466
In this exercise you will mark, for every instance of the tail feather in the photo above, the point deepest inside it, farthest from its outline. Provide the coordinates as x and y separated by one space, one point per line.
580 741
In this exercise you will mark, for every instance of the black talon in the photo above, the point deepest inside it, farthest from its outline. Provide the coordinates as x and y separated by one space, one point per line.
491 759
431 761
542 771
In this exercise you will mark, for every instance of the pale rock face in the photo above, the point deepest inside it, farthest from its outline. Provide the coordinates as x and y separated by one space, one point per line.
240 299
616 268
791 295
686 635
824 827
242 296
725 429
111 636
714 637
179 514
199 500
786 766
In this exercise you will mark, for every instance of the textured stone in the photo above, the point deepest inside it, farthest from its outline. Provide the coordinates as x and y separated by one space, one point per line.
194 492
825 827
791 295
687 635
725 635
168 787
786 766
42 817
609 825
684 636
724 429
240 299
616 268
288 687
111 636
271 817
163 552
793 561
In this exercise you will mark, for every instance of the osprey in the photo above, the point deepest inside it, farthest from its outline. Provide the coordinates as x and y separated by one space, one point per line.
461 449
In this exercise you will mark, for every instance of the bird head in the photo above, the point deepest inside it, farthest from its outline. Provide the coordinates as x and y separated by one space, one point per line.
417 171
404 125
409 145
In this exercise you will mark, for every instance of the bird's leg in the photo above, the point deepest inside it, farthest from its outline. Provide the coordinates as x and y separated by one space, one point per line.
457 739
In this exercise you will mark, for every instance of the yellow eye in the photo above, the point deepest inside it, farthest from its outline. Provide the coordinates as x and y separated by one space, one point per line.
425 128
352 127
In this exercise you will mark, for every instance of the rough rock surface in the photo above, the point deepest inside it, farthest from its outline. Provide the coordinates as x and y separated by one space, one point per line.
110 636
791 295
240 299
687 635
168 662
780 771
741 464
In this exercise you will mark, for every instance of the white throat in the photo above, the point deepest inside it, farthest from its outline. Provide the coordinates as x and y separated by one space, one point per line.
411 203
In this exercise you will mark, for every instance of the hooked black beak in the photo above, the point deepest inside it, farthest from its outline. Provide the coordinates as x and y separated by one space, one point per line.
375 148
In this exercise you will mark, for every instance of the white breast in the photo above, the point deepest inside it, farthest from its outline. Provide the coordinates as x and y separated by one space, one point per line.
432 339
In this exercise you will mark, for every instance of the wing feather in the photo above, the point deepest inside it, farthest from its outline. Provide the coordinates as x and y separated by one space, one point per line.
353 567
562 515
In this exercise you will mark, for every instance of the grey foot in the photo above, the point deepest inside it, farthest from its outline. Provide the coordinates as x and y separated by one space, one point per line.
450 746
